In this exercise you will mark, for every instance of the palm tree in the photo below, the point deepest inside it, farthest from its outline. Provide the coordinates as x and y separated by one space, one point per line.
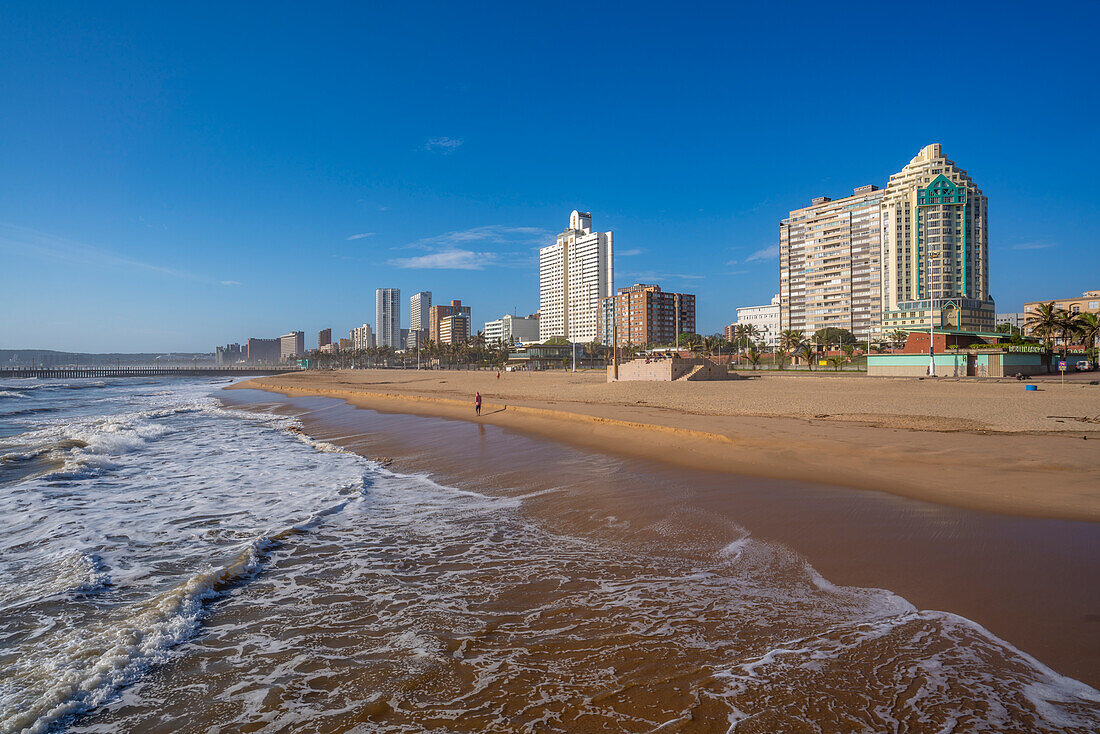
1089 328
1044 320
836 362
753 357
789 341
805 349
1070 326
898 337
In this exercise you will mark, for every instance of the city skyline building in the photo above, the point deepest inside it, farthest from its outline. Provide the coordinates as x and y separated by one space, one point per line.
453 329
387 321
263 351
292 345
229 354
509 329
362 337
457 332
935 248
644 314
1017 319
420 305
575 274
830 265
324 338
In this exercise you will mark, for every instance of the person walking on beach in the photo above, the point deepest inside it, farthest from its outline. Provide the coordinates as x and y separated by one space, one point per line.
477 403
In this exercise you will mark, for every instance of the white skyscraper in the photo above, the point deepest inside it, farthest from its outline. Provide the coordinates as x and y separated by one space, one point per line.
387 310
575 273
419 305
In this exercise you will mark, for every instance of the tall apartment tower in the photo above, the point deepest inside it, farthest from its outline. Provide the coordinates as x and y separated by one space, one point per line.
420 306
387 317
646 315
575 274
830 265
292 345
324 338
935 245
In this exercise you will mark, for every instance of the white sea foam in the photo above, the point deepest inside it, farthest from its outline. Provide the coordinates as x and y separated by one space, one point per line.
153 509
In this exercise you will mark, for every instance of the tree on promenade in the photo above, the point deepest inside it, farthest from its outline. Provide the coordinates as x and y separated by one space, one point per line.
753 357
1044 321
1089 329
831 335
789 342
898 338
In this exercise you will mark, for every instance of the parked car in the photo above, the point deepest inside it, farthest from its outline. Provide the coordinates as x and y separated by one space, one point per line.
1083 365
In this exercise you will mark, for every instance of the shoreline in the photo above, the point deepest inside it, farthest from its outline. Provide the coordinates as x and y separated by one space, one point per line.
1024 473
969 562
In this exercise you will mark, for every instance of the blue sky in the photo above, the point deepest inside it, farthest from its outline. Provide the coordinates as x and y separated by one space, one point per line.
177 176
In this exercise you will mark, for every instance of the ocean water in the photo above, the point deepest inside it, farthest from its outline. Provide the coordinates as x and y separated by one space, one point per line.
167 564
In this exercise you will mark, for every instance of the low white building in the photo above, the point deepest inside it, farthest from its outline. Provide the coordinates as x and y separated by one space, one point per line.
1019 319
509 329
764 318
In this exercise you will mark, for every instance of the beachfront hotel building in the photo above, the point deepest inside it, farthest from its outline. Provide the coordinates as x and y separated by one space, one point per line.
456 332
644 314
935 248
324 338
575 274
387 317
419 306
292 345
1087 302
263 351
764 318
830 265
881 260
362 337
509 329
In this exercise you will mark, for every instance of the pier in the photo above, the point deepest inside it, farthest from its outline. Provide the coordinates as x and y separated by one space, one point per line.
79 372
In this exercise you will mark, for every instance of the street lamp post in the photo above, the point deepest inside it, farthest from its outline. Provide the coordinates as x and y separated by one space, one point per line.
931 319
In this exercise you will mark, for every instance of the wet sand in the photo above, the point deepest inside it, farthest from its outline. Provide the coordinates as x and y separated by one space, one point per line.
1029 581
987 446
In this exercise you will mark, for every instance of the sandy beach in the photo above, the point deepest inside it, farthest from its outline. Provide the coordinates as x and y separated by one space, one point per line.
980 445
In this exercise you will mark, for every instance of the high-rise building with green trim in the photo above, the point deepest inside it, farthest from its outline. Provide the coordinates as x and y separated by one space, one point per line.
935 248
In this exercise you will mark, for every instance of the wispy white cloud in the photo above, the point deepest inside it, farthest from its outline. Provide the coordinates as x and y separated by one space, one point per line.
229 282
453 259
651 276
443 145
768 253
476 248
26 240
491 233
361 235
731 262
628 253
1033 246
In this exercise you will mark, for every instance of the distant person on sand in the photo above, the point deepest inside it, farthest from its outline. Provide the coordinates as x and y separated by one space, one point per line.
477 403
